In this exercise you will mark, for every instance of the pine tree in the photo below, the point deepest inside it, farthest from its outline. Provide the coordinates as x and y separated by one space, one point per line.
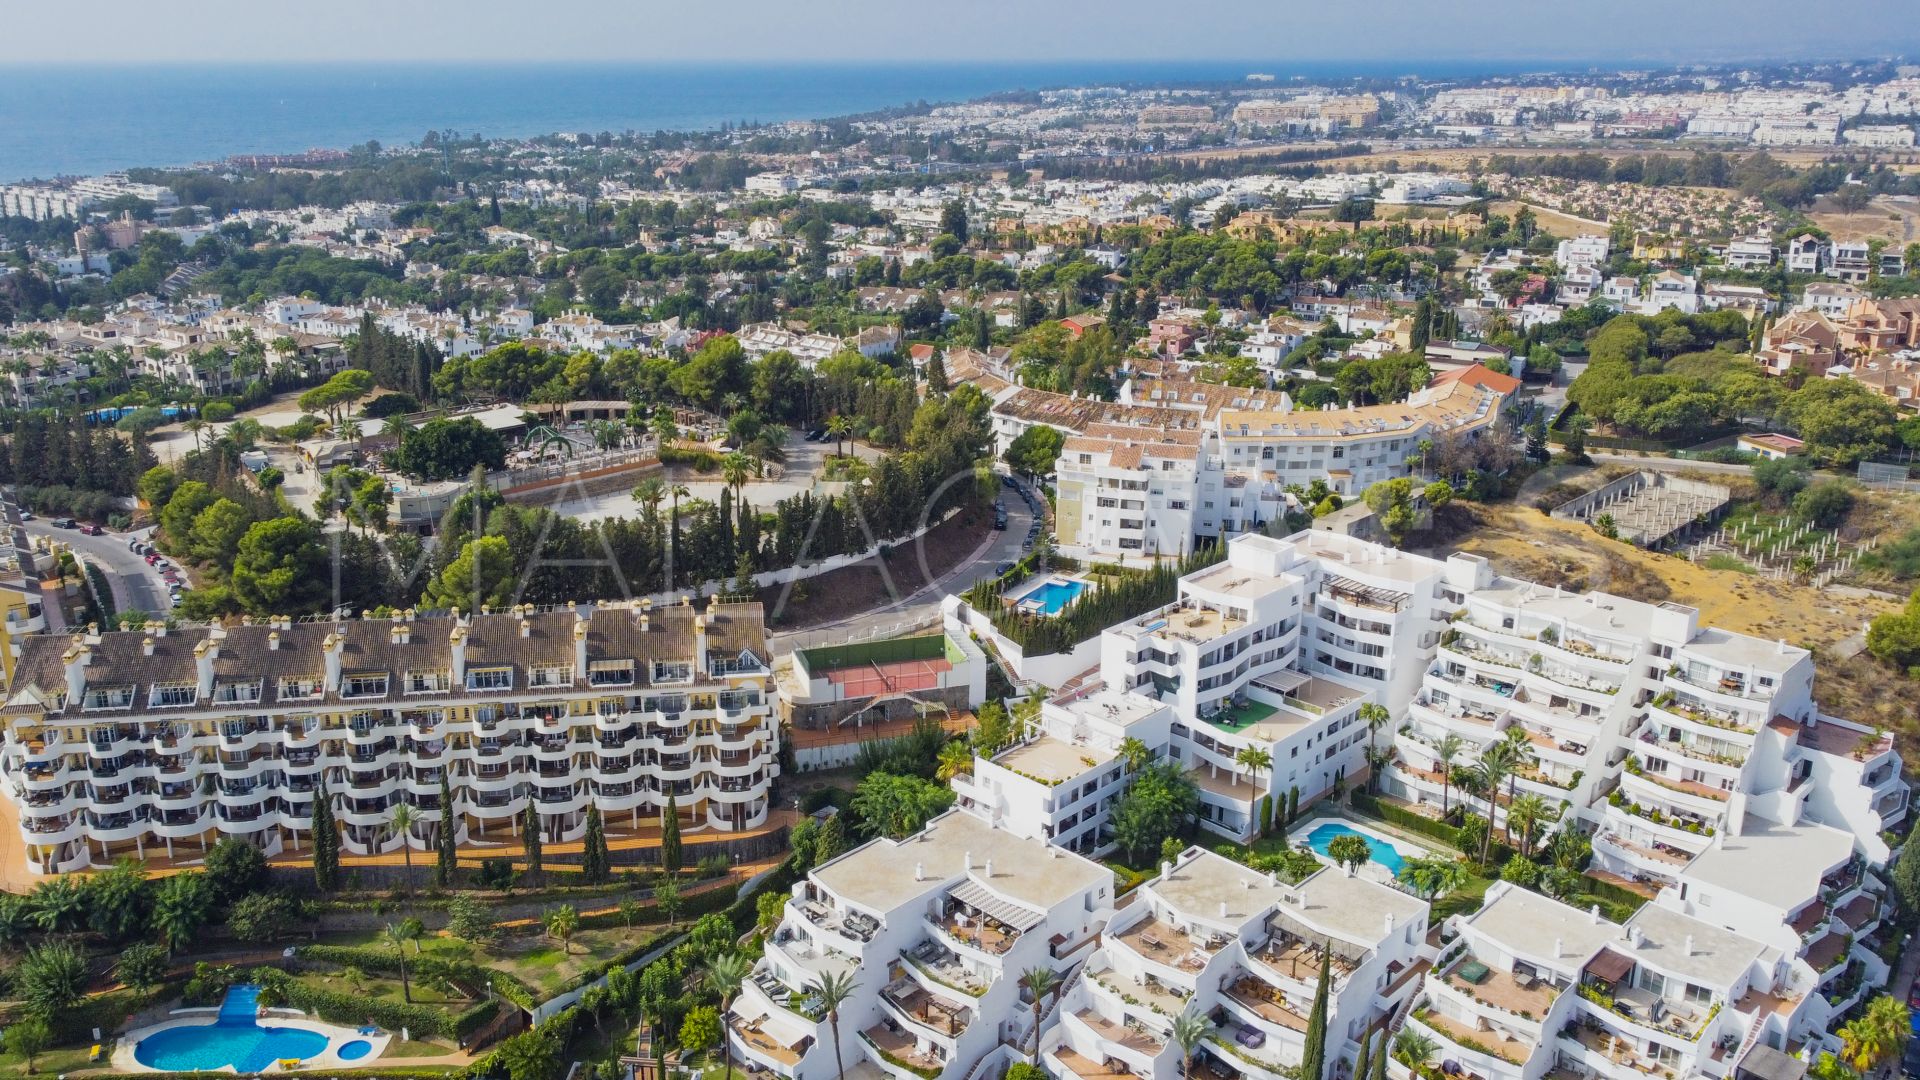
448 861
326 842
593 854
530 837
1313 1059
670 836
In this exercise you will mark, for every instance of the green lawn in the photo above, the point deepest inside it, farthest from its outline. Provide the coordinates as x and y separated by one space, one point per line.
1240 717
534 959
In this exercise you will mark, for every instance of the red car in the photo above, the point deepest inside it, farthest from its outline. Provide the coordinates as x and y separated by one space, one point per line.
92 530
151 559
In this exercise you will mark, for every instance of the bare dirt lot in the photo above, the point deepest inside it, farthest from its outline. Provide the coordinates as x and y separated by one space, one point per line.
1892 220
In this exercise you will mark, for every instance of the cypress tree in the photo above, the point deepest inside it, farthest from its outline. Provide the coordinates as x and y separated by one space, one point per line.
1361 1063
593 856
1313 1059
1379 1060
530 837
1293 805
670 836
447 860
326 842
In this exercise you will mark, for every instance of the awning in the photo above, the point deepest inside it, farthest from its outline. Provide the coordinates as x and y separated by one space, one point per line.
975 895
1609 966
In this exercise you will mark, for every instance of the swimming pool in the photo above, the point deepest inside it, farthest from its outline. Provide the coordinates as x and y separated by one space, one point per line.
1051 597
1379 850
236 1038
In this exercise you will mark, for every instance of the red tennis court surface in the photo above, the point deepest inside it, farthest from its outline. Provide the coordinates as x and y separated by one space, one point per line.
894 677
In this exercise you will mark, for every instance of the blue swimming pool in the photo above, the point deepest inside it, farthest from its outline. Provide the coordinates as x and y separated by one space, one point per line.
1379 850
235 1038
1053 596
354 1050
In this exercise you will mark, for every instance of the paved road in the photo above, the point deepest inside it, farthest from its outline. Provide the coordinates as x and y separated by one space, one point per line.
136 586
923 601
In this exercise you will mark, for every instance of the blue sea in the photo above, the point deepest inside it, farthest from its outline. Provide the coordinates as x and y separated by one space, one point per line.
85 119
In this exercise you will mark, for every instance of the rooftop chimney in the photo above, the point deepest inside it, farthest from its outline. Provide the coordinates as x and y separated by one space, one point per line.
700 643
526 629
580 648
146 646
919 871
1559 948
204 654
1593 910
1223 909
966 861
273 641
331 647
988 872
76 659
1686 949
1166 869
457 647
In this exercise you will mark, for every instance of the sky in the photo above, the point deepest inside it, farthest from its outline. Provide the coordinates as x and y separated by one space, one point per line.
1666 31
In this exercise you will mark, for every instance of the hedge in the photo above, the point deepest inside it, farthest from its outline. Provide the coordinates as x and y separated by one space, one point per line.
1615 894
1406 819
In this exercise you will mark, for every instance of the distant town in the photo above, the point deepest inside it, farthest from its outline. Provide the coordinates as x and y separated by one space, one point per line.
1375 580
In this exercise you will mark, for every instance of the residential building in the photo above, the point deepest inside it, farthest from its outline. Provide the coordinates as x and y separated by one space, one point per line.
143 742
941 925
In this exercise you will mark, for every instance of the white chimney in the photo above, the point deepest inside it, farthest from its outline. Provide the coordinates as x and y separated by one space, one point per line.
966 861
331 647
700 643
273 641
1782 642
919 871
526 629
988 872
1166 869
76 659
1559 948
580 648
457 652
1593 910
1687 948
204 654
1389 924
146 646
1223 909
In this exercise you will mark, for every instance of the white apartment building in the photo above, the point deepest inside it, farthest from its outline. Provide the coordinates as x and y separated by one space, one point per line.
1750 253
1589 250
145 742
1276 648
1247 449
1210 937
940 926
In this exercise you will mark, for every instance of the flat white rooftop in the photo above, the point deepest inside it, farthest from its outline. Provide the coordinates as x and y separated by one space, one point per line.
1778 865
1354 909
1541 929
1683 945
880 876
1052 761
1604 614
1738 651
1200 885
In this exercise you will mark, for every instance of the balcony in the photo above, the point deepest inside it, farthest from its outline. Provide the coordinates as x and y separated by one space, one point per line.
1164 944
900 1050
943 1017
1265 1002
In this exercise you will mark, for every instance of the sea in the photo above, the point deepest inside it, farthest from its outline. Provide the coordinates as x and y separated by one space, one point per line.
66 120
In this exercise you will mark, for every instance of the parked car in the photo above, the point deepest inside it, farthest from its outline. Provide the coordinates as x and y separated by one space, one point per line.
26 515
92 530
152 558
65 523
1003 569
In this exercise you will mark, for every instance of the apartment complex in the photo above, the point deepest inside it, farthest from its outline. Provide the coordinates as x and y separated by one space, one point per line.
1275 649
940 926
146 742
1137 489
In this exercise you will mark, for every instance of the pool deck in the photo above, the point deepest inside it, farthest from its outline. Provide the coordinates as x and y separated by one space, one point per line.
123 1059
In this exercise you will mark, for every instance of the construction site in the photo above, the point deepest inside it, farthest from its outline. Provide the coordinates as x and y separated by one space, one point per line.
1649 509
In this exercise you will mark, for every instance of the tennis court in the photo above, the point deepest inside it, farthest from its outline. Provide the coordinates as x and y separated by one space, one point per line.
892 677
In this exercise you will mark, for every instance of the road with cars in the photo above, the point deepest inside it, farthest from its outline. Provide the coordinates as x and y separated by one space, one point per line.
136 585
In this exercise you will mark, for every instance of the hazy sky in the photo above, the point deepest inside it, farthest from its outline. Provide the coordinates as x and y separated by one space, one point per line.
643 30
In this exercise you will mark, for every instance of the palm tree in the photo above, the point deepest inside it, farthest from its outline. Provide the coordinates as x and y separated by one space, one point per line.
1523 758
1450 746
1189 1030
400 824
833 988
194 427
956 757
1429 877
724 974
396 936
1039 981
1412 1049
732 402
1496 764
735 469
1877 1036
1253 759
1529 813
664 429
838 428
1135 753
561 923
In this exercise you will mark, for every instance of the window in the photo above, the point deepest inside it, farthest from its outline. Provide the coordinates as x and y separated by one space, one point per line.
367 684
610 672
295 687
428 682
490 678
173 695
551 675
